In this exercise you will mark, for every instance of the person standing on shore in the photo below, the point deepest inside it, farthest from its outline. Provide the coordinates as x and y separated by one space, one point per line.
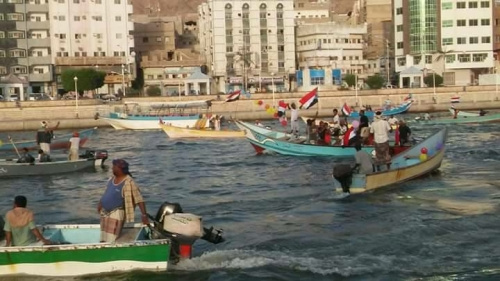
44 136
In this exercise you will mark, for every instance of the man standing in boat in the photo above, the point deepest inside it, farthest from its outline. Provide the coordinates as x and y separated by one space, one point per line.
381 128
45 135
118 202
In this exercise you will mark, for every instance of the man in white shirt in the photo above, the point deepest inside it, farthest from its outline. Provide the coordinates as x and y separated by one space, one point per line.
392 120
381 128
74 147
294 119
336 122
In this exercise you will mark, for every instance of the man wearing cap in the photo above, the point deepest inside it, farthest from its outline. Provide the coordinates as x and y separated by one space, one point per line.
44 136
118 202
381 128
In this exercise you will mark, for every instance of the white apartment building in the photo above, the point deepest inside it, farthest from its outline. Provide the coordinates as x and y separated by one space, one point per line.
92 33
328 51
248 44
454 40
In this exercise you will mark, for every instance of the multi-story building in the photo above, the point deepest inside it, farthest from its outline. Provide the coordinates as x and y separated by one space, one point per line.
452 38
93 34
25 44
248 44
328 51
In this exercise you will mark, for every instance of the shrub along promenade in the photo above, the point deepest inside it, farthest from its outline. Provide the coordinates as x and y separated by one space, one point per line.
30 113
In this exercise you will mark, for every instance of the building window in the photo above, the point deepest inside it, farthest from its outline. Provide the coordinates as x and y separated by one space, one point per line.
473 40
400 45
461 23
78 36
450 58
485 21
16 34
159 39
61 36
118 36
77 54
461 5
145 39
472 22
464 57
447 5
62 18
98 18
461 40
118 2
401 61
98 35
416 60
17 53
2 34
118 18
76 1
447 23
116 54
399 11
38 70
3 70
1 16
486 40
15 17
485 4
428 59
317 80
18 69
98 1
479 57
2 54
472 5
447 41
76 18
399 28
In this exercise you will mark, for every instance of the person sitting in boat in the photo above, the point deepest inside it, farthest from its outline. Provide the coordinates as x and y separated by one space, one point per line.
404 133
393 120
482 112
118 202
312 131
26 157
343 127
43 157
258 123
74 145
20 228
322 130
217 123
364 161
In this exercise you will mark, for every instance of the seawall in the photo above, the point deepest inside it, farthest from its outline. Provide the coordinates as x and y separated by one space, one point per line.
29 115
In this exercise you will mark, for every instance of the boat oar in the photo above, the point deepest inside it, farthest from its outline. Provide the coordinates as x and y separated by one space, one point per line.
14 145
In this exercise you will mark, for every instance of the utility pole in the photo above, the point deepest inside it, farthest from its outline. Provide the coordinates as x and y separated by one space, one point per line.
387 60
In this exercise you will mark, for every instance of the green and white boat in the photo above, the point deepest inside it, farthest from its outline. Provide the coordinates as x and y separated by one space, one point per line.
77 251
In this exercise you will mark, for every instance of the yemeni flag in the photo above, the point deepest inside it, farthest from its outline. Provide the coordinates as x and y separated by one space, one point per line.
455 99
234 96
282 108
309 100
346 110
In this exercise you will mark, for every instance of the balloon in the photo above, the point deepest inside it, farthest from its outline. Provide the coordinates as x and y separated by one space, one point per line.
423 157
439 146
269 110
284 123
257 102
266 107
355 124
275 114
260 102
423 150
431 152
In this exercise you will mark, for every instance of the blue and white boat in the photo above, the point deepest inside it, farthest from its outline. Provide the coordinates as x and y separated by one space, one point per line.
148 116
404 107
281 143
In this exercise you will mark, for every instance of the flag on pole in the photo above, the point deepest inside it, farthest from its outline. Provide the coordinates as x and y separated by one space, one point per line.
282 108
234 96
346 110
309 99
455 99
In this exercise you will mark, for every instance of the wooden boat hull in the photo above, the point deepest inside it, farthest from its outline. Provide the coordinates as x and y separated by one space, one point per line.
176 132
85 255
60 142
264 142
393 111
9 168
461 120
403 168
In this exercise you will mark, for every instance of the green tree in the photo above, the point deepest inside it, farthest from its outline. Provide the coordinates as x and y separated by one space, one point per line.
88 79
138 83
350 79
375 81
429 80
153 91
131 92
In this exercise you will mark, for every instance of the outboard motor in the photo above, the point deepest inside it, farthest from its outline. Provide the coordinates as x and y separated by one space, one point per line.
184 229
101 155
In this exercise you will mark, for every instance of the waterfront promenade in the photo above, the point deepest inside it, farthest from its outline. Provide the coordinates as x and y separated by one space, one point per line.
30 113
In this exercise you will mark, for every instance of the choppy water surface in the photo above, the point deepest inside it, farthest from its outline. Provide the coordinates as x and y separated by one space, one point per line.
280 219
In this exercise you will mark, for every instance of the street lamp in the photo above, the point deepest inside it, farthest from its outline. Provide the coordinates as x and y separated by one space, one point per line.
76 90
123 80
97 89
272 86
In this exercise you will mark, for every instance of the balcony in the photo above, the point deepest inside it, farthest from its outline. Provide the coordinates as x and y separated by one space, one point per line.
41 8
35 61
44 77
92 61
33 43
44 25
165 63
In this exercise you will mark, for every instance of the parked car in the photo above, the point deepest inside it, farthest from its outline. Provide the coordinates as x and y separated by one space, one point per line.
107 97
39 96
12 97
